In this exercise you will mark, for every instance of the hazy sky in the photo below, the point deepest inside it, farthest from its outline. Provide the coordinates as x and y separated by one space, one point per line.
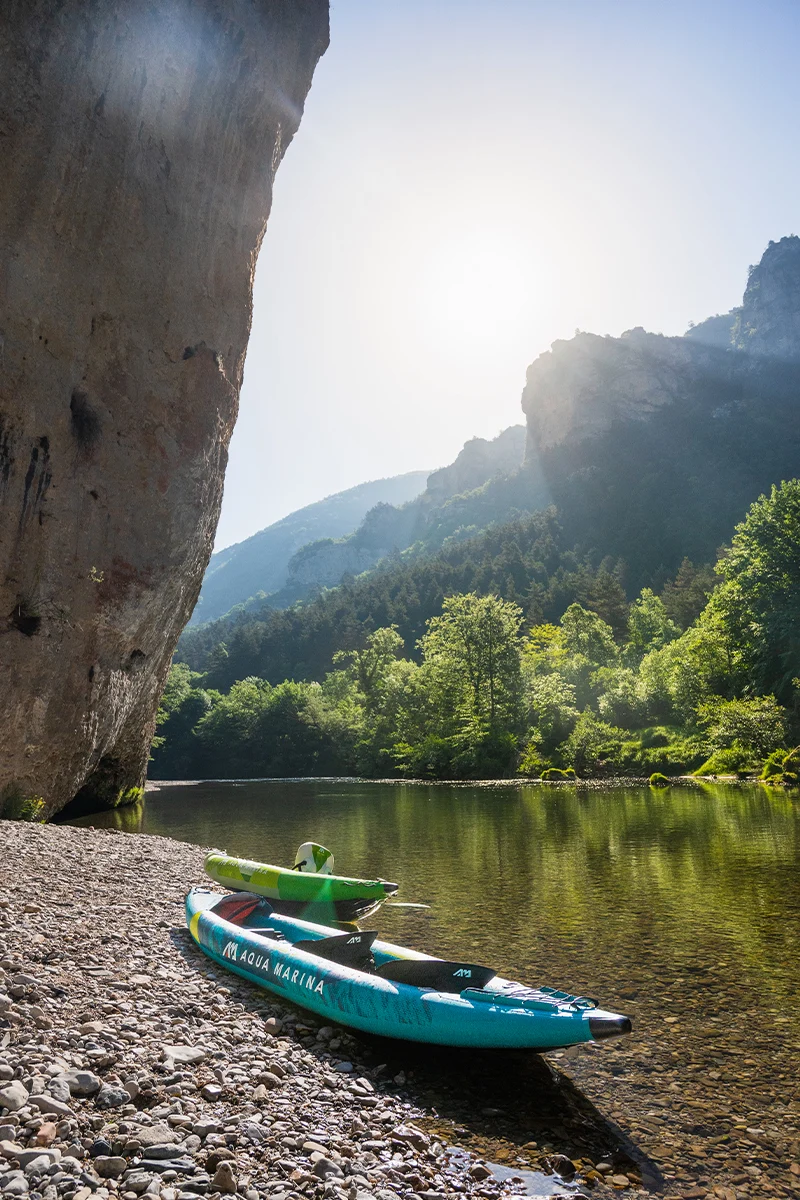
471 181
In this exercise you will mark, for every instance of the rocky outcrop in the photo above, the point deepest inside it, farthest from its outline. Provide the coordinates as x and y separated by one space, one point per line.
715 331
478 460
140 146
388 529
652 447
768 323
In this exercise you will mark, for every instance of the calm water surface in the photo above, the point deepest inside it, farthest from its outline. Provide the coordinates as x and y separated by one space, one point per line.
679 907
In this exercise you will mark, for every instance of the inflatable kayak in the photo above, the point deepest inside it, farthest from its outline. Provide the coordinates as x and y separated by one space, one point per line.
292 891
355 980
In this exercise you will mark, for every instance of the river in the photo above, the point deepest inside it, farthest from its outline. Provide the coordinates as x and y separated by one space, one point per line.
678 907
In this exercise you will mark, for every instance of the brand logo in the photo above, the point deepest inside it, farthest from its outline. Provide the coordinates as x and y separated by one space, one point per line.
301 979
462 971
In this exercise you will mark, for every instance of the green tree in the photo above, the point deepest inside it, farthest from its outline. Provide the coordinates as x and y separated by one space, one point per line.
594 747
471 655
759 599
756 725
686 596
553 709
587 634
649 627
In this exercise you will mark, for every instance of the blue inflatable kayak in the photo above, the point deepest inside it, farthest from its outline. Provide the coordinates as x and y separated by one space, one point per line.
355 980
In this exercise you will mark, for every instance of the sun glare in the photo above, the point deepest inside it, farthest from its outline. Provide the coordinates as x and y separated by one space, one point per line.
474 288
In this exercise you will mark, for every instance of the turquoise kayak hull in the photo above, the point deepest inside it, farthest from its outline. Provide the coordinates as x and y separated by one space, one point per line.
372 1004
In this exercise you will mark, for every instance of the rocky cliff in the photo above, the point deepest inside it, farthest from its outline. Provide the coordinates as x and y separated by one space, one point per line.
768 323
452 501
478 460
140 146
653 447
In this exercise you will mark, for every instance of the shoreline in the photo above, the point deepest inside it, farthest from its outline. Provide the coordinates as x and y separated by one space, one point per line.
134 1066
598 783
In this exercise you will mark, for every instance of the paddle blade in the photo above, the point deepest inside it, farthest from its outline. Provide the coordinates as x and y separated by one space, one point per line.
314 858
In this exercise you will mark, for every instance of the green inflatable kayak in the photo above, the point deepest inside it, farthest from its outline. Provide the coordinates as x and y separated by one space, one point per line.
307 888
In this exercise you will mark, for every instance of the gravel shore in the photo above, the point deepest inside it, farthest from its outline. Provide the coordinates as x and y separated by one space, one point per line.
130 1065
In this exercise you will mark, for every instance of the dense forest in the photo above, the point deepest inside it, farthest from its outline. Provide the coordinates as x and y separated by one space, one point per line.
509 654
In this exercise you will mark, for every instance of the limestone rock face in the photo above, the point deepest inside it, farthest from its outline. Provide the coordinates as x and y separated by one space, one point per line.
580 387
140 146
768 323
477 461
653 447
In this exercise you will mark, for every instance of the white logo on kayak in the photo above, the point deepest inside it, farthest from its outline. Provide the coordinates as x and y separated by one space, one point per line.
463 972
296 976
280 970
251 957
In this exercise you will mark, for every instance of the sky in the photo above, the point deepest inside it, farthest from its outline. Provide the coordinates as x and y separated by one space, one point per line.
474 180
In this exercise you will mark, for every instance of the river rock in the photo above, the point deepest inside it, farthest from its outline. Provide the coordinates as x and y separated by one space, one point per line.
79 1083
185 1055
325 1168
157 1135
140 148
224 1179
51 1155
13 1095
111 1097
48 1104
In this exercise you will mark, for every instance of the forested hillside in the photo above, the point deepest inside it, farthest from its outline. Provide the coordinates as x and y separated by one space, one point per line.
701 677
260 563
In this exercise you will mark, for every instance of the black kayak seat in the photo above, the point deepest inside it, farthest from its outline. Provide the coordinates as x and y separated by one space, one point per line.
436 974
274 935
347 949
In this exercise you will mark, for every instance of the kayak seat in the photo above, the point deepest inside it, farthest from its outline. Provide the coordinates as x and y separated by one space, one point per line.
274 935
436 974
347 949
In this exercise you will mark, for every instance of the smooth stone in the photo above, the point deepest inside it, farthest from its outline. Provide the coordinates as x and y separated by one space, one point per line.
80 1083
38 1166
109 1166
15 1187
13 1095
157 1135
224 1179
138 1182
185 1055
111 1097
166 1164
11 1149
59 1090
48 1104
161 1150
51 1155
324 1168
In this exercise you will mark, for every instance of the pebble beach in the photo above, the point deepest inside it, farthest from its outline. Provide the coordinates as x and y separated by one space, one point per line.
130 1065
